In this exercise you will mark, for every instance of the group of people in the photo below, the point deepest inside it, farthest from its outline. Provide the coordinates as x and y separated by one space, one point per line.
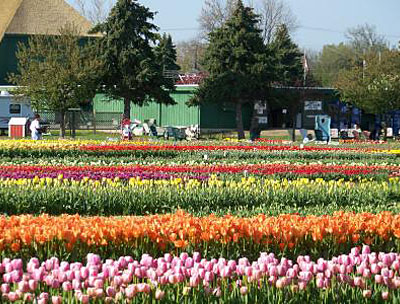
378 133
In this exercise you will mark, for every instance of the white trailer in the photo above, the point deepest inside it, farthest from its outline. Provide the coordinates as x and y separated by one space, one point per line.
12 107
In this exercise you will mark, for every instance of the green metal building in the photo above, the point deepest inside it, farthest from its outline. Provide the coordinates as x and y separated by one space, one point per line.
207 116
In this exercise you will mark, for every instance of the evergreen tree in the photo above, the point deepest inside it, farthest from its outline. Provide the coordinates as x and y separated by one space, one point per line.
237 62
132 71
166 53
289 72
289 68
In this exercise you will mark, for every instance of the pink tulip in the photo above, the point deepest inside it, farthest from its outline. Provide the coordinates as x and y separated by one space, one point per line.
44 295
378 279
67 286
375 269
28 297
217 292
143 287
76 284
366 249
302 285
186 290
23 286
84 299
84 273
366 273
42 301
358 281
159 294
385 295
194 281
91 291
111 292
130 291
98 283
99 293
56 300
93 259
5 288
367 293
320 283
13 296
243 290
280 283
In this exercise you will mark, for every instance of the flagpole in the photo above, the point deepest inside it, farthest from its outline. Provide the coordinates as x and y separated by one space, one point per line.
305 67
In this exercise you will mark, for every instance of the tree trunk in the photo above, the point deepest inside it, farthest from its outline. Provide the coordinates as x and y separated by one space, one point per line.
294 128
62 124
239 120
255 125
127 108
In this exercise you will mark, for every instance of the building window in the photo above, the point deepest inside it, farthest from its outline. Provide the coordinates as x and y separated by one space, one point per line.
15 109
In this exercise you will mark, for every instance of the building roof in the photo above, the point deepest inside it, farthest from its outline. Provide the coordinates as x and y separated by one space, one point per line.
7 12
39 17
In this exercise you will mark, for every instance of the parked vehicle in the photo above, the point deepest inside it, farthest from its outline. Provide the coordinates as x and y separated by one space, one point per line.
15 107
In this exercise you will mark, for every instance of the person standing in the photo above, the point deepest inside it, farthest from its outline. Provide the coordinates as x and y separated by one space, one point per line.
35 128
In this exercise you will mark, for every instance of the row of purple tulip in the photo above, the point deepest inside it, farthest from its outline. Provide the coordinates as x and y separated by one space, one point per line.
98 175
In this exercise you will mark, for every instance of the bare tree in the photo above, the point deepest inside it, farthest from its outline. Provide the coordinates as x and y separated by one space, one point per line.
273 14
364 38
190 54
95 10
214 14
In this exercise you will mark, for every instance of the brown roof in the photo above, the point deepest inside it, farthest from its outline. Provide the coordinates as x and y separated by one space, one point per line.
41 17
8 8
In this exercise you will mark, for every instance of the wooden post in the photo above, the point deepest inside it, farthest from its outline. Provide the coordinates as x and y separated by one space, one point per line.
94 120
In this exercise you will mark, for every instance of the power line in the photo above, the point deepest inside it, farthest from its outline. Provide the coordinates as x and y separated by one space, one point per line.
318 29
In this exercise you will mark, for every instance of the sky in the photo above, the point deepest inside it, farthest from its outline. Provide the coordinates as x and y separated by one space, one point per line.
321 21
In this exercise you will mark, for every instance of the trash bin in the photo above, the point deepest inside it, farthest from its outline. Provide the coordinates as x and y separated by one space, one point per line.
17 127
322 127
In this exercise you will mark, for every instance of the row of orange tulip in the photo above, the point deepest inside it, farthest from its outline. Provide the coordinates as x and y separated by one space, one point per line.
184 231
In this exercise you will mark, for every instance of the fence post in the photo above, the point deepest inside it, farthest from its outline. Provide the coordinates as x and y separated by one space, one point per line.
94 120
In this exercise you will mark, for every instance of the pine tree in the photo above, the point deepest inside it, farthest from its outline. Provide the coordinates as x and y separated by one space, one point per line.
237 62
289 71
132 71
289 68
166 53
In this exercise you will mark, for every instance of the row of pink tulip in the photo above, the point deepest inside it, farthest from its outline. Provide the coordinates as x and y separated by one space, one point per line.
55 282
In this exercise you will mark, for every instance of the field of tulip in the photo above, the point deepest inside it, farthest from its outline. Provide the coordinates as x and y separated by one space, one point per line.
199 222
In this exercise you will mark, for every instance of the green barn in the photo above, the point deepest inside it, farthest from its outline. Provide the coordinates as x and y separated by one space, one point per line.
21 19
207 116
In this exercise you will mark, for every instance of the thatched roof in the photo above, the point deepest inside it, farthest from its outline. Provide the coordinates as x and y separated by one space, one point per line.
39 17
8 8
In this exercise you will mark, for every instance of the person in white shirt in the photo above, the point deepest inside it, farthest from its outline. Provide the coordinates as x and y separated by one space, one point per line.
35 128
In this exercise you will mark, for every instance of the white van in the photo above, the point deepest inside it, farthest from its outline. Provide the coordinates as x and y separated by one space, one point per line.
13 107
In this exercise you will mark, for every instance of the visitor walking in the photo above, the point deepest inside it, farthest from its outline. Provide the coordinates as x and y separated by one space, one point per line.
35 128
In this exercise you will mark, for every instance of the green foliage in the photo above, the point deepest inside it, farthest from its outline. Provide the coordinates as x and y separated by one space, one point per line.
107 200
373 85
289 69
132 71
238 63
332 60
166 53
190 55
57 72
